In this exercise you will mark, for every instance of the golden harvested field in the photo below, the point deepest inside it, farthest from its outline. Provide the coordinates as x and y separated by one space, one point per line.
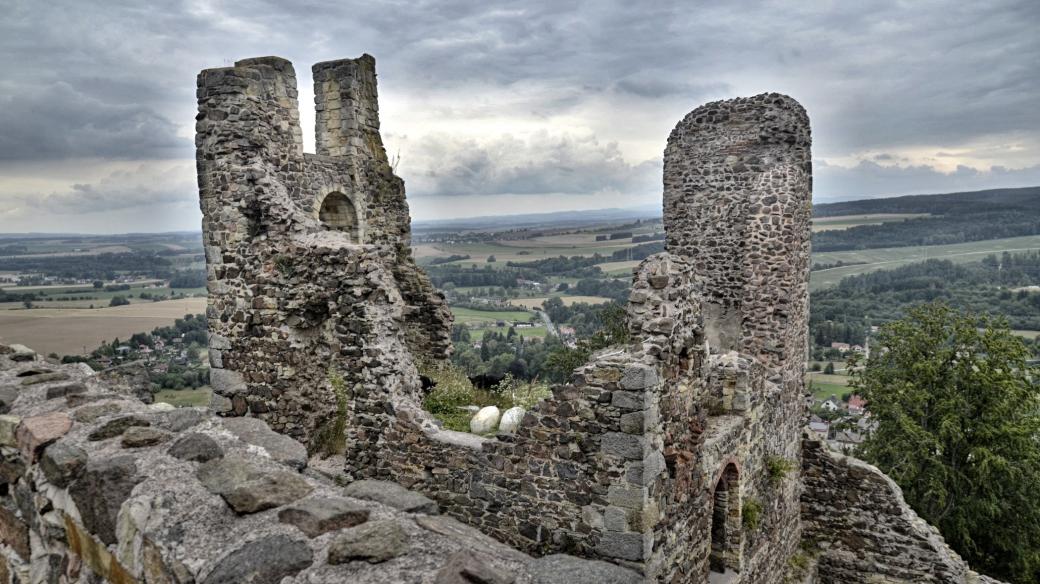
567 300
73 331
618 268
843 222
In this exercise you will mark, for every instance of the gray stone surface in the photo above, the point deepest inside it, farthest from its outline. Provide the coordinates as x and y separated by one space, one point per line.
564 569
391 494
100 492
142 436
248 488
196 447
263 561
278 446
467 567
623 445
116 427
374 542
320 515
63 463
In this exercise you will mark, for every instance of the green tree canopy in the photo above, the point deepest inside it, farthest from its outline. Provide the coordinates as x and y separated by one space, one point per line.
957 408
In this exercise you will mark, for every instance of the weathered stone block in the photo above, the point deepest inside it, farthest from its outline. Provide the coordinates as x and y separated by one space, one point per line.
638 377
196 447
63 463
632 422
267 560
625 546
35 432
101 491
117 426
278 446
374 542
249 489
627 400
8 425
14 532
622 445
391 494
468 567
141 437
320 515
626 496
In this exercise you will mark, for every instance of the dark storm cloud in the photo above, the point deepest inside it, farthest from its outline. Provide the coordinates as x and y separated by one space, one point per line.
128 189
868 179
60 122
543 164
115 79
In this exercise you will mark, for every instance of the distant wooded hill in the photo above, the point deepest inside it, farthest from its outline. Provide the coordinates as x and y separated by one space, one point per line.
954 218
1027 198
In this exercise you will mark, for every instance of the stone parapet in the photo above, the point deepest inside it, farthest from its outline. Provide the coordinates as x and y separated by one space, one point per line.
97 486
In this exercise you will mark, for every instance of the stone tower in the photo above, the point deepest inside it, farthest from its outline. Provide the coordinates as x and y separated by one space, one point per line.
308 255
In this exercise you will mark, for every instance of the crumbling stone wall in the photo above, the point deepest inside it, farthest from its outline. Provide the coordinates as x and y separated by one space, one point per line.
620 464
623 462
856 519
292 300
96 486
701 407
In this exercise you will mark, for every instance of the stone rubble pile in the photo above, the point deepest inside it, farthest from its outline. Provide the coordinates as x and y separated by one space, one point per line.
98 486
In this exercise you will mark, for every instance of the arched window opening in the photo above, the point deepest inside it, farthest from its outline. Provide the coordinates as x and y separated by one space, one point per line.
337 213
724 557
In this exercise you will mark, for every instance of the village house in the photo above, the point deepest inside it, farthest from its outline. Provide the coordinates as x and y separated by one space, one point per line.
857 405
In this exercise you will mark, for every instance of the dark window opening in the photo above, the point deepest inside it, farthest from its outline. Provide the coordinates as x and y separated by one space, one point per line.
337 213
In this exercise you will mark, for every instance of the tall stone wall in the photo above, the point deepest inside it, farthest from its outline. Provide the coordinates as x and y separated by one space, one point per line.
623 463
295 301
96 486
737 186
856 519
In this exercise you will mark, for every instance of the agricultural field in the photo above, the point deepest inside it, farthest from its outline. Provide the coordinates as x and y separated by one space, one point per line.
893 257
567 300
470 316
75 331
85 296
824 385
513 251
842 222
618 268
184 398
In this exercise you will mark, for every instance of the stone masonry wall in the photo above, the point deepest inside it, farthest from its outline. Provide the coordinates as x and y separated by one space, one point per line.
96 486
856 519
292 302
622 463
676 454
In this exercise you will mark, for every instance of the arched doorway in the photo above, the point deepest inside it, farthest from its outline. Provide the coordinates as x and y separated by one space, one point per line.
724 557
337 213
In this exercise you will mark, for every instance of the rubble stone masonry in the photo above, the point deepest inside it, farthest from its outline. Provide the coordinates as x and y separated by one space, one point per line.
676 455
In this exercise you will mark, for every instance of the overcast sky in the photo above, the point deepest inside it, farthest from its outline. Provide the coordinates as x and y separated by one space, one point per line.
503 107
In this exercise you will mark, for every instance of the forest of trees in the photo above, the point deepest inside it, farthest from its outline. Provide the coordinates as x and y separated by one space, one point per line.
953 218
956 405
993 286
105 266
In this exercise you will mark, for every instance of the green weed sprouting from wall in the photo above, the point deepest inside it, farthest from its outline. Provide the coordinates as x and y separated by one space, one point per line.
751 514
285 266
330 439
778 467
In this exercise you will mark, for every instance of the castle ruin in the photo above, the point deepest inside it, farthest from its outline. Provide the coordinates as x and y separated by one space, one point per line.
676 457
